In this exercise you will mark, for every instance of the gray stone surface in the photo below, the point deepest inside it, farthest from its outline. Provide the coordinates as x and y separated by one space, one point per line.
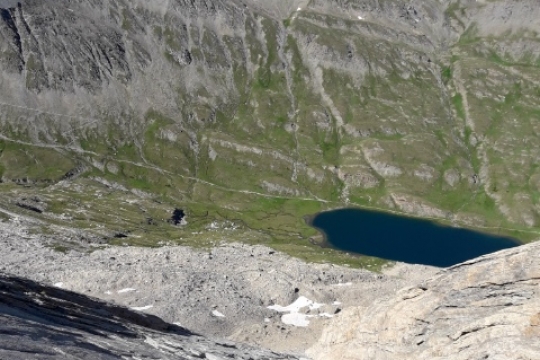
190 287
486 308
6 4
41 322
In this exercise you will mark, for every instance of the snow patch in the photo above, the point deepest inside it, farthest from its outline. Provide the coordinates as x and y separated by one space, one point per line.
360 18
142 308
295 319
327 315
126 290
59 285
300 303
217 313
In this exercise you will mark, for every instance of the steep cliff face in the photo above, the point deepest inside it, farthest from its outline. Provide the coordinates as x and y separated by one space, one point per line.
487 308
263 110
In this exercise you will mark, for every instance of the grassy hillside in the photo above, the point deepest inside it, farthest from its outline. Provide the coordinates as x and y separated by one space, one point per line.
251 118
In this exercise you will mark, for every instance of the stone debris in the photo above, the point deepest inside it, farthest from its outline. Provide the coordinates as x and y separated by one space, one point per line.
38 321
194 287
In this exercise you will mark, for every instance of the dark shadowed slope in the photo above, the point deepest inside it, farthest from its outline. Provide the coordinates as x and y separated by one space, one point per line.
41 322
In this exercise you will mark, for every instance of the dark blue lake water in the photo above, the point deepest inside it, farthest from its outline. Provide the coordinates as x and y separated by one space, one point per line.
404 239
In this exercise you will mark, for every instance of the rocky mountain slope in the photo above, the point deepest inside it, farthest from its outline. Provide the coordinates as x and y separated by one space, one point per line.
238 292
486 308
258 113
41 322
205 122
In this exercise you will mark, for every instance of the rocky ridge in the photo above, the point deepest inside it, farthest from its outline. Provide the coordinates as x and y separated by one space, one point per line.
485 308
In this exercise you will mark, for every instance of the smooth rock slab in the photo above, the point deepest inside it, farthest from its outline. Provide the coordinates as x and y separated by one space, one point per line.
485 308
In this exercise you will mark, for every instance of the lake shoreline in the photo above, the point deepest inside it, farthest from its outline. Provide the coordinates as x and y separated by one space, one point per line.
308 219
397 237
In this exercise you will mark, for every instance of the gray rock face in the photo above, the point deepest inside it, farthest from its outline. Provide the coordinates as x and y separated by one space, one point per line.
41 322
280 91
6 4
486 308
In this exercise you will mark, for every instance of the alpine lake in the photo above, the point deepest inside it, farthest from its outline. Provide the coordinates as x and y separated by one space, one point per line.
404 239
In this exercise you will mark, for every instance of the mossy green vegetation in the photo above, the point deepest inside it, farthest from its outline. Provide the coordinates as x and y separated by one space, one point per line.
312 114
457 101
470 36
40 165
446 74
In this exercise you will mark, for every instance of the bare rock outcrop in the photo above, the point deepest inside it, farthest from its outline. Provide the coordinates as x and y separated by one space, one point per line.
486 308
40 322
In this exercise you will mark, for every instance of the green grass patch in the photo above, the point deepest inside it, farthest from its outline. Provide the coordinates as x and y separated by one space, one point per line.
37 164
61 248
457 101
127 20
470 36
446 75
171 38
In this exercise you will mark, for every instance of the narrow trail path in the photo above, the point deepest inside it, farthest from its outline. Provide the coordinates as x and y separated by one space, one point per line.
469 122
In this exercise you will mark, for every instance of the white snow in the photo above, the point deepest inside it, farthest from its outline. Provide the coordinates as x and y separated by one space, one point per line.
327 315
300 303
295 319
299 9
360 18
142 308
337 303
59 285
344 284
217 313
126 290
108 292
